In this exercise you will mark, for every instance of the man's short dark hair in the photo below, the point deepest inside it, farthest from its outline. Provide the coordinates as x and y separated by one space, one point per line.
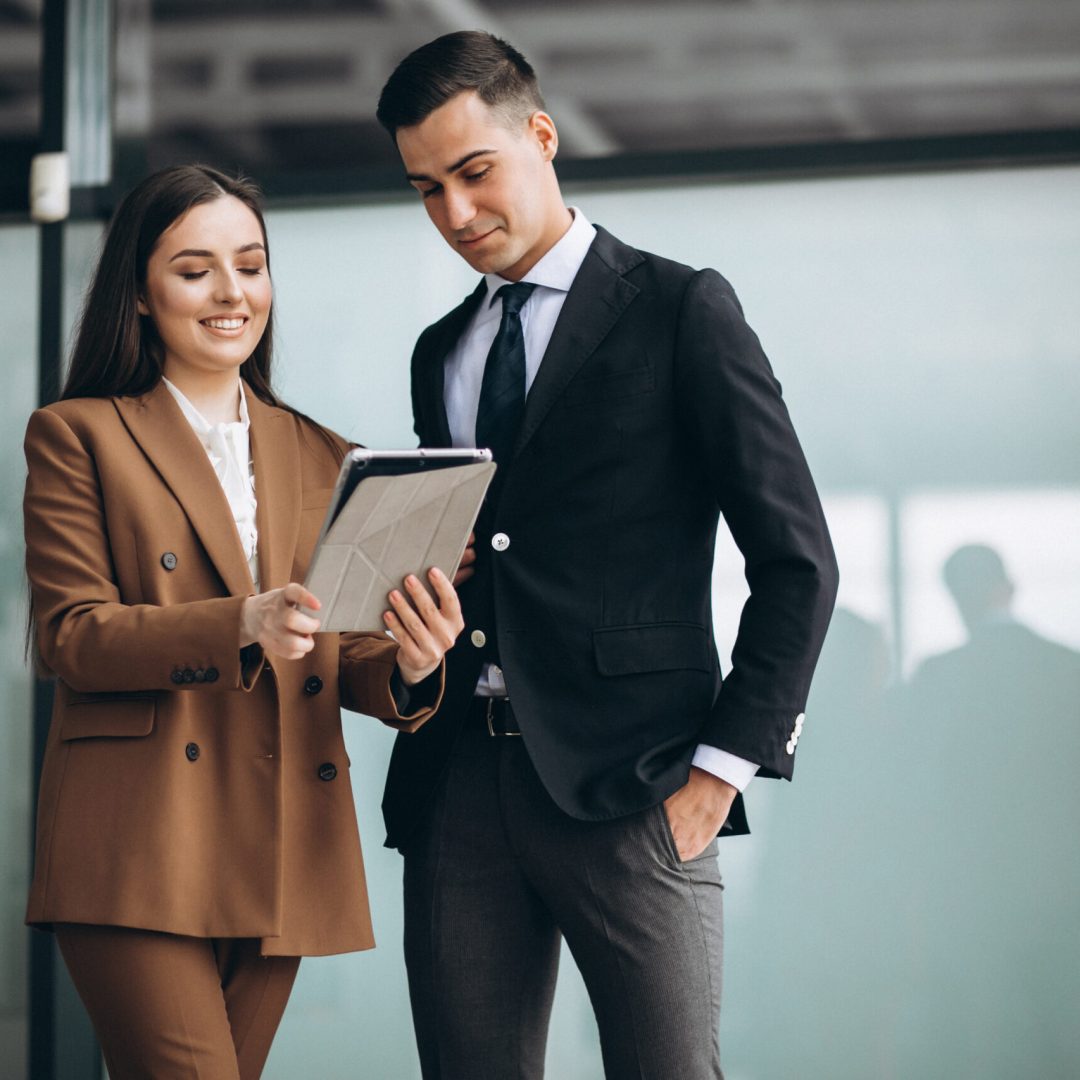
452 64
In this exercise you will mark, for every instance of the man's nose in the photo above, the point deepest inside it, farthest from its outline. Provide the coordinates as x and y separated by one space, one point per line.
460 209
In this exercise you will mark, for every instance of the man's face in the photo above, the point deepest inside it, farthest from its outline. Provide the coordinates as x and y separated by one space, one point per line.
491 191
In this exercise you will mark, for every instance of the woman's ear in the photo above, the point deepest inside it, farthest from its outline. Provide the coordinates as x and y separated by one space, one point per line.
140 306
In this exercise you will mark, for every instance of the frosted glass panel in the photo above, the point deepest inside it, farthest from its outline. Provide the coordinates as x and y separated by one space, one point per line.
926 333
18 317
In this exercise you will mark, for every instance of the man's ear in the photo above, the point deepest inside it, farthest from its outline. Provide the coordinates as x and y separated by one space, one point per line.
542 128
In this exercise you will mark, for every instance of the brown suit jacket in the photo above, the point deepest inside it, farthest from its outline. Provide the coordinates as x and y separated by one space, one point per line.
190 786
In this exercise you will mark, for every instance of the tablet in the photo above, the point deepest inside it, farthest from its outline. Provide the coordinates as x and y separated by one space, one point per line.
360 463
393 513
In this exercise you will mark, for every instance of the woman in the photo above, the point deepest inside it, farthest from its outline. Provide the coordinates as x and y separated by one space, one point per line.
196 833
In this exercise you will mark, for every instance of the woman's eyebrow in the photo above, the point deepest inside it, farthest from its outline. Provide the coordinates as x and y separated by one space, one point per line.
199 253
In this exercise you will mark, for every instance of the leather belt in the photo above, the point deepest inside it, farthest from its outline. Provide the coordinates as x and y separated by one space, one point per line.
498 716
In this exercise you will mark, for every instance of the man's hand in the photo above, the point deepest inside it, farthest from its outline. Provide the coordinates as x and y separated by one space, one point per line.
697 811
423 630
465 567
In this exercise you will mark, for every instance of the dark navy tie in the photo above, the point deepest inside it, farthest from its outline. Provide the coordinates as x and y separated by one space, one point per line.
502 393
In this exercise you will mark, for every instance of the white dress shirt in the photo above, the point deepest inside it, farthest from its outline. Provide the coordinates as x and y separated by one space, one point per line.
464 374
229 448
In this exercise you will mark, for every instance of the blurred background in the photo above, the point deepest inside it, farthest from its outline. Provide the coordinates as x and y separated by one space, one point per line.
893 188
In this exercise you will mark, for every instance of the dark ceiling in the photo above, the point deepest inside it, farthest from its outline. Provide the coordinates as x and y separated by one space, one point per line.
287 85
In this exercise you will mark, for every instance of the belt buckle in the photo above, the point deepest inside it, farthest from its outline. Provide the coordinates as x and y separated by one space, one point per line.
489 713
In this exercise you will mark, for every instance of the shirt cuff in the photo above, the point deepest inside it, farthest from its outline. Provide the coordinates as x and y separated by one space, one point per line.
737 771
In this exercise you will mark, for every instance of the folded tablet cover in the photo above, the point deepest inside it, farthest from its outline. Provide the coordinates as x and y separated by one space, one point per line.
390 527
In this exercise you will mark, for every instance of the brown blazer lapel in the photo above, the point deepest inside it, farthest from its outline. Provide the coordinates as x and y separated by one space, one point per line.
161 430
275 451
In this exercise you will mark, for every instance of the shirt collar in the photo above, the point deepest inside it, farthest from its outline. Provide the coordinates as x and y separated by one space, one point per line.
559 266
196 419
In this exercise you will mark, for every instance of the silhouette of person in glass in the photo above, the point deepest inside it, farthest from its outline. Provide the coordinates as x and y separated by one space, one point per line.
993 728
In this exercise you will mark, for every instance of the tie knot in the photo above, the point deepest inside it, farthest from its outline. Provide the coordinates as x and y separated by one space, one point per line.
514 296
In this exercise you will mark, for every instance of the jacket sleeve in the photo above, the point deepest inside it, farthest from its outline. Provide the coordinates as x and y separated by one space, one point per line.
367 663
741 430
84 632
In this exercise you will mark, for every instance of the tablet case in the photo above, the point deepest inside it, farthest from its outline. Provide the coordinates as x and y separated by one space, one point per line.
392 526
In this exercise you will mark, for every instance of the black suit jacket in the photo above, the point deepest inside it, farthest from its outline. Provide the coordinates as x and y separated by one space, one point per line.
653 412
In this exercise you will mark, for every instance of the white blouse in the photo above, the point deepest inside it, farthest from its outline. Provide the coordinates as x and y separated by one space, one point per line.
229 448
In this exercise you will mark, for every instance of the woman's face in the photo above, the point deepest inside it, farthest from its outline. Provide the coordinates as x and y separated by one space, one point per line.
208 288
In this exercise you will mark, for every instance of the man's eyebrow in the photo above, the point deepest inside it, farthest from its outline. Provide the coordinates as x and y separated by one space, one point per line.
200 254
459 164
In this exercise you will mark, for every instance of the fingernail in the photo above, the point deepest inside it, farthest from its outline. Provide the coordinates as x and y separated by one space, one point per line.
412 580
395 595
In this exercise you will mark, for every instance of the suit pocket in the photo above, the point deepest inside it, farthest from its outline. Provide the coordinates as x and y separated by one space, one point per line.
630 650
91 716
610 386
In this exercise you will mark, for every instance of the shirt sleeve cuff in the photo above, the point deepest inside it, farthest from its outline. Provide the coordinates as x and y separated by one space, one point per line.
737 771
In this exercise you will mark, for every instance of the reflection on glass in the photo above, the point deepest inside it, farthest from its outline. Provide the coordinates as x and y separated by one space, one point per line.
993 723
1031 529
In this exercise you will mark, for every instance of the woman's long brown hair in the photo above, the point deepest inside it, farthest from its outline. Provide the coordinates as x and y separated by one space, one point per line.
118 351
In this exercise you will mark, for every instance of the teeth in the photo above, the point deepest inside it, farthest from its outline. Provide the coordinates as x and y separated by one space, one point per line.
225 324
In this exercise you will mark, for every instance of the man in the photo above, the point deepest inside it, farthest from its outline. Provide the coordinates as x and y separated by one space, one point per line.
585 757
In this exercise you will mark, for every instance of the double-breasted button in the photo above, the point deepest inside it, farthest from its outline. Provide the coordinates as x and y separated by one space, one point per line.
168 560
189 675
327 770
500 541
312 684
177 676
478 638
192 751
211 674
200 675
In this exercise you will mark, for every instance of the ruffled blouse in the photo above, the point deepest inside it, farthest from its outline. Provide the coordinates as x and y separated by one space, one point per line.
229 448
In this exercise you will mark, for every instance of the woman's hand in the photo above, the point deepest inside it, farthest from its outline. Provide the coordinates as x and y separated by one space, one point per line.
423 631
275 622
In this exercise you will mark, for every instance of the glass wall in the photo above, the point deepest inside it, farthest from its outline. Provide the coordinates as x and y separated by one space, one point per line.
904 908
18 317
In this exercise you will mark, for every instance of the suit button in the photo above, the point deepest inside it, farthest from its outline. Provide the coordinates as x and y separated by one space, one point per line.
790 746
500 541
478 638
189 675
200 675
192 751
327 771
168 560
177 676
211 674
312 684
